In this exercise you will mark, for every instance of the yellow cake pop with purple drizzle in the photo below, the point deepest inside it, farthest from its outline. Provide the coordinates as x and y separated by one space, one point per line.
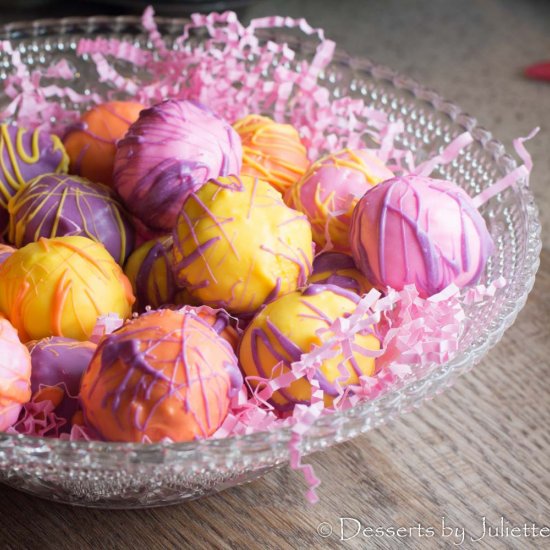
287 328
237 245
149 269
329 191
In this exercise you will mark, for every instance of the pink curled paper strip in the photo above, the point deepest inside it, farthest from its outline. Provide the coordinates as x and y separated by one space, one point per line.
522 172
105 324
448 154
38 419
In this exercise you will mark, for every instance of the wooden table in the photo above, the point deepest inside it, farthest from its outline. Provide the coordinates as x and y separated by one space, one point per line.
480 450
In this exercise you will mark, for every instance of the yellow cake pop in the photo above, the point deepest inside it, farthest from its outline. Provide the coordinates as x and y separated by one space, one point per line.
58 287
237 245
287 328
150 271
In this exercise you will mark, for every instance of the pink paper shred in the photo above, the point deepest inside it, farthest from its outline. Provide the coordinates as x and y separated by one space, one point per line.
37 418
416 333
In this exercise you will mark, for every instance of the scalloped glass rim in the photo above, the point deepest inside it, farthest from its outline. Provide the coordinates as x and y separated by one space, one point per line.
338 426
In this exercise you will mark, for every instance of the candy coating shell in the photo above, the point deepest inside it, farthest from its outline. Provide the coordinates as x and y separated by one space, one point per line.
329 191
237 245
272 151
164 374
91 144
15 374
56 205
421 231
172 149
297 317
58 287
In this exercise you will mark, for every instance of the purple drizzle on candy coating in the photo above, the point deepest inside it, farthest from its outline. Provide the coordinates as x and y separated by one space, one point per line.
169 152
440 268
131 348
157 252
290 352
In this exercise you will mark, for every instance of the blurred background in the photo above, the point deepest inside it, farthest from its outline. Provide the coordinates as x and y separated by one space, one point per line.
473 52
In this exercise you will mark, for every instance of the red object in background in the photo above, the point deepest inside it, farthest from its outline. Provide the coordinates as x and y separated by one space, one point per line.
539 71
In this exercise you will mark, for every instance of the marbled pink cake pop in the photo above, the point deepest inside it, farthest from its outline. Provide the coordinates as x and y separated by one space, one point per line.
15 375
422 231
171 150
329 191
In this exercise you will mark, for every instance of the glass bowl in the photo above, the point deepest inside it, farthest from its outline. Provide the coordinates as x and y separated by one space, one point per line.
122 475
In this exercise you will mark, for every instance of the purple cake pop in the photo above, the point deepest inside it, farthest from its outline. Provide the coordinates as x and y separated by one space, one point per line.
57 205
171 150
57 367
25 154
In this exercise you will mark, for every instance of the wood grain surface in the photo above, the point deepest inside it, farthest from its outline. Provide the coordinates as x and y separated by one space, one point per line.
482 449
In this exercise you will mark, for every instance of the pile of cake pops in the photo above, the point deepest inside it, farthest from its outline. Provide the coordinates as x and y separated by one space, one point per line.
183 266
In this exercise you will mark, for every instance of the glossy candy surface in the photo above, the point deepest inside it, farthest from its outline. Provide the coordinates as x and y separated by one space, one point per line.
15 374
57 367
285 329
171 150
58 287
329 191
91 142
166 374
237 245
422 231
272 151
57 205
25 154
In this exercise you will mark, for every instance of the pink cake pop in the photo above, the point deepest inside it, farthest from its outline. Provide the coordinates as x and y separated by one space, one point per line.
422 231
15 375
172 149
329 191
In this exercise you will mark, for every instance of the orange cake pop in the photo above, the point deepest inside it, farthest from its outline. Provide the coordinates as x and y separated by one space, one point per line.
271 151
91 143
166 374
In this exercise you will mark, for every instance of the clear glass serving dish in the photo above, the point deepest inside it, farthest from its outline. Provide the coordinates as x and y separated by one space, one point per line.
121 475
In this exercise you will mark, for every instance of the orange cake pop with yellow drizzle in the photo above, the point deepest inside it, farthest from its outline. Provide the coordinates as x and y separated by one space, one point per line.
271 151
329 191
58 287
